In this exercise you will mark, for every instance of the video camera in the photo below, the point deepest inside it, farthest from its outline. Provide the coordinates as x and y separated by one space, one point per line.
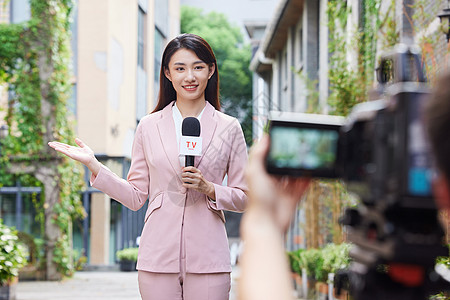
381 153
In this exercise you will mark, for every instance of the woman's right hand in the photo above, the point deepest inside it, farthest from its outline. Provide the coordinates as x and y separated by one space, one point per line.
83 154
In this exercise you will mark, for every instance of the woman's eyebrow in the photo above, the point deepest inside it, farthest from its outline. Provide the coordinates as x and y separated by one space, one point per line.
183 64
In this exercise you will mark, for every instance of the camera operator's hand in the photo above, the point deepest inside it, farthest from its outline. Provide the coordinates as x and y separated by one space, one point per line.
264 267
272 195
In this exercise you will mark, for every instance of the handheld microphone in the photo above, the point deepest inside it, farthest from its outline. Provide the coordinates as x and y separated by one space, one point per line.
191 143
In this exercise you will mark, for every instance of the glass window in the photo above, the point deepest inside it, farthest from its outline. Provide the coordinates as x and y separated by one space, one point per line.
116 234
162 15
159 46
20 11
141 83
18 211
141 38
8 209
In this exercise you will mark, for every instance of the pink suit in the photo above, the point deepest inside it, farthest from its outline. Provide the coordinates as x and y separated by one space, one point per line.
155 173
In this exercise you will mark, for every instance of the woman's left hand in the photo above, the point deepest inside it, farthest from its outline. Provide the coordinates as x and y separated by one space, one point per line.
193 179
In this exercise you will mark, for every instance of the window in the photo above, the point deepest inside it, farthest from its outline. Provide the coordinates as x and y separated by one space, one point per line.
142 20
300 49
162 16
20 11
159 45
141 74
292 72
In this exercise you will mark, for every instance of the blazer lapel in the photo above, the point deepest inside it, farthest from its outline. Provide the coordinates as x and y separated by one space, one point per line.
208 124
166 128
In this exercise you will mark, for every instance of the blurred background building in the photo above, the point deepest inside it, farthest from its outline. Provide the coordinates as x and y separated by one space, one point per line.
293 60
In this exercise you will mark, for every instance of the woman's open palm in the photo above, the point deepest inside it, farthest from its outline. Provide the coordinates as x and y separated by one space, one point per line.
83 153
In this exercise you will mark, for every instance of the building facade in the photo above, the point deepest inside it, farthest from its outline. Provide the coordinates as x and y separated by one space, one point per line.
293 54
117 48
293 51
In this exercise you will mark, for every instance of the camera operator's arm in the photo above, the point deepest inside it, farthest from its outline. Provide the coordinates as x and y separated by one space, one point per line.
264 267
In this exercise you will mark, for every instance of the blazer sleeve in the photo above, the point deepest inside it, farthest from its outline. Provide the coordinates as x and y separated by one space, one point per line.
233 196
134 191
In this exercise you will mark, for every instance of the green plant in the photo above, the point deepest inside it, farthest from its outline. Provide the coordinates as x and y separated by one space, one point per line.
127 254
35 66
295 262
444 260
13 255
319 262
335 257
440 296
312 261
80 260
346 86
350 83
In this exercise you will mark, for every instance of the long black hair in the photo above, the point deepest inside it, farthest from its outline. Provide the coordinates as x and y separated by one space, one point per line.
203 50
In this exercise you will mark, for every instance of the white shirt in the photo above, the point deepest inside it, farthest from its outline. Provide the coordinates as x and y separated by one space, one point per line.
178 120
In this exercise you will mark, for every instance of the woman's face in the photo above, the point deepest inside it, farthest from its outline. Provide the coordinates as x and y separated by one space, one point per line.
189 75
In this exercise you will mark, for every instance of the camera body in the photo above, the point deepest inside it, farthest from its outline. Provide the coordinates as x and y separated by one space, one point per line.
304 145
382 155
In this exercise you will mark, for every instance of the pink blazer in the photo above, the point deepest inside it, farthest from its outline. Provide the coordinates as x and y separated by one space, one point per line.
155 174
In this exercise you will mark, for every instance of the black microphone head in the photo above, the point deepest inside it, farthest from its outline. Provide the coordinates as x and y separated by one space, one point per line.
190 127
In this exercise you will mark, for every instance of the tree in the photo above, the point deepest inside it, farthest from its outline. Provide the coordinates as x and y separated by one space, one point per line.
35 63
233 59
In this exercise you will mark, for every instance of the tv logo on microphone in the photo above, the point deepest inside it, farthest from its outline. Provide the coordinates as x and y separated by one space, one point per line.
191 145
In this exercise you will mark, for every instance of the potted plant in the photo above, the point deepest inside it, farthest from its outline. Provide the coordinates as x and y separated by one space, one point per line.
296 268
311 261
335 258
294 261
127 258
13 256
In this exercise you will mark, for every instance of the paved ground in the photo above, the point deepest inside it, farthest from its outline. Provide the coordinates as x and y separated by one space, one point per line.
85 286
89 285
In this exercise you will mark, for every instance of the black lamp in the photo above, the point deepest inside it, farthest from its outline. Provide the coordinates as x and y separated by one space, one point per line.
444 15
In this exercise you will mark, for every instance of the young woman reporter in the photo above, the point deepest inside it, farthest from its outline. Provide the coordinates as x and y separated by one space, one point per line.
183 251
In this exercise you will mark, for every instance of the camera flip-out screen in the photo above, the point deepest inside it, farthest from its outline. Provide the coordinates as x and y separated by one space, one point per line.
306 147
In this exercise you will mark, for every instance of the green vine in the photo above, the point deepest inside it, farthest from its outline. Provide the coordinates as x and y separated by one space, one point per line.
35 60
311 92
350 85
389 33
345 87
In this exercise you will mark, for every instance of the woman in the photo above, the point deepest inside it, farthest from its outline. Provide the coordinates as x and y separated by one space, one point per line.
183 251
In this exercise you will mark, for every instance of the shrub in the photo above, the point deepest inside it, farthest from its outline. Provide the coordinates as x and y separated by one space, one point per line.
319 262
295 262
13 255
127 254
312 261
335 257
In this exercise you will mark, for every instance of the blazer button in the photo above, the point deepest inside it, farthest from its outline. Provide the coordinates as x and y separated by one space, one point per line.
183 190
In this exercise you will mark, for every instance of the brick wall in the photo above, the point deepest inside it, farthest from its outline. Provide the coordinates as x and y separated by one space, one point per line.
437 49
